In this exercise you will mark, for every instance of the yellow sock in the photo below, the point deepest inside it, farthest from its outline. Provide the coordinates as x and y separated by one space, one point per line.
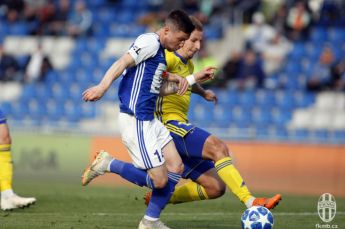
6 168
232 178
187 192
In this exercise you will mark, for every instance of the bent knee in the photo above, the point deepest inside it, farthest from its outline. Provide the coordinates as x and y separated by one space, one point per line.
176 167
216 191
160 182
216 149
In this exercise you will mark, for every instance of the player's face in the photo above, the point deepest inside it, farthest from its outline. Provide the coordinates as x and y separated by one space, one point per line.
174 39
193 44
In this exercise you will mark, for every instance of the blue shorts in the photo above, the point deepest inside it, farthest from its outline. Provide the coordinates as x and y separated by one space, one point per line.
194 167
2 117
189 141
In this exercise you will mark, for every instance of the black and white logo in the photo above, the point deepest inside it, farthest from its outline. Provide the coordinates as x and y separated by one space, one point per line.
136 49
326 207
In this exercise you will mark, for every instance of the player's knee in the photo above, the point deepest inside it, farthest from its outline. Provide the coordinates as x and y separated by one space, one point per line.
5 139
176 167
218 149
160 182
216 190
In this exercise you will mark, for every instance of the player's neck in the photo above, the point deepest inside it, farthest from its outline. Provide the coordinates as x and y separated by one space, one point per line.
161 40
183 54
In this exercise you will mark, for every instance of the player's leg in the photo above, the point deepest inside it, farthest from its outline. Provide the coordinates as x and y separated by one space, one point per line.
9 200
216 150
134 172
204 184
174 168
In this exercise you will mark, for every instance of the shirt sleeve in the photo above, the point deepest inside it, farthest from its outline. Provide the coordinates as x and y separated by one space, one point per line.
144 47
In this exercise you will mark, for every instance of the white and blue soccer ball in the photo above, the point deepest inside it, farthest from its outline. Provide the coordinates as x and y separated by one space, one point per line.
257 217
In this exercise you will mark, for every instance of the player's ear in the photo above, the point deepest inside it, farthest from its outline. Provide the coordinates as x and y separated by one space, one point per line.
166 30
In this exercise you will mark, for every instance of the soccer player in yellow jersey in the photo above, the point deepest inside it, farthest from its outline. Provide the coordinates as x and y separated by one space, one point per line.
9 200
206 158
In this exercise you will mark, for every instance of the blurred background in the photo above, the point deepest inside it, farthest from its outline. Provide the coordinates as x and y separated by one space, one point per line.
281 81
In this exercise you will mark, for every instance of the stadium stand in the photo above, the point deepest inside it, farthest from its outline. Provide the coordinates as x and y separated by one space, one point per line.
282 110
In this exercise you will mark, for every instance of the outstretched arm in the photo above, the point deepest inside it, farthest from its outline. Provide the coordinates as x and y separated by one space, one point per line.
208 95
96 92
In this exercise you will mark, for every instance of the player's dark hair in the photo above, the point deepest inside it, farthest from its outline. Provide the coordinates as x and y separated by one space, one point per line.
181 21
197 24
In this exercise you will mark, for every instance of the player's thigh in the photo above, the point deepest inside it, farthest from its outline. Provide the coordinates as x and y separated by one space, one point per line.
172 158
214 149
143 141
195 142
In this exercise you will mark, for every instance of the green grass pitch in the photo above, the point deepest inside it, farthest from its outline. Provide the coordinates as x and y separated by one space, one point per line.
49 168
62 205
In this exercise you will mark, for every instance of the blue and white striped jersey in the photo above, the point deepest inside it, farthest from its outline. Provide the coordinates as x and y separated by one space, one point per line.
140 85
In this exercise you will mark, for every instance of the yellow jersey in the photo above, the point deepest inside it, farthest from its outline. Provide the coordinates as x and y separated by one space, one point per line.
175 107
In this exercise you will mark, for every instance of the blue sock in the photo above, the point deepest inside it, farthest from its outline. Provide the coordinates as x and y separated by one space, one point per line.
131 173
161 197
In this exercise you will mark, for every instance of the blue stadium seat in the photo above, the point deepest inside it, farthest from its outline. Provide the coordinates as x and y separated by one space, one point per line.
28 91
221 116
319 135
105 15
213 32
19 110
88 110
241 117
285 99
51 77
293 67
297 51
281 116
299 135
336 35
18 29
247 99
261 117
75 92
264 99
304 99
338 136
318 35
37 110
126 17
42 92
72 111
54 111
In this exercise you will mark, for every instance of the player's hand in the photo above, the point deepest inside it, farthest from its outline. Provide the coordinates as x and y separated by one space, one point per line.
209 95
182 85
205 74
93 93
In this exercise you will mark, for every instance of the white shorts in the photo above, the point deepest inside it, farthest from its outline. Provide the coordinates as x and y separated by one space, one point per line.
144 140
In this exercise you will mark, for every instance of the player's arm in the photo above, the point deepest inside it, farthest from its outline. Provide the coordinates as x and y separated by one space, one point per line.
96 92
208 95
173 84
169 87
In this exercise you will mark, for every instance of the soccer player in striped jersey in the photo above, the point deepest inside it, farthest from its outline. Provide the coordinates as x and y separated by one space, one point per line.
207 160
156 162
9 200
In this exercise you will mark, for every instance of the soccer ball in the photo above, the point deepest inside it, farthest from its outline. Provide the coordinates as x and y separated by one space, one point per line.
257 217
